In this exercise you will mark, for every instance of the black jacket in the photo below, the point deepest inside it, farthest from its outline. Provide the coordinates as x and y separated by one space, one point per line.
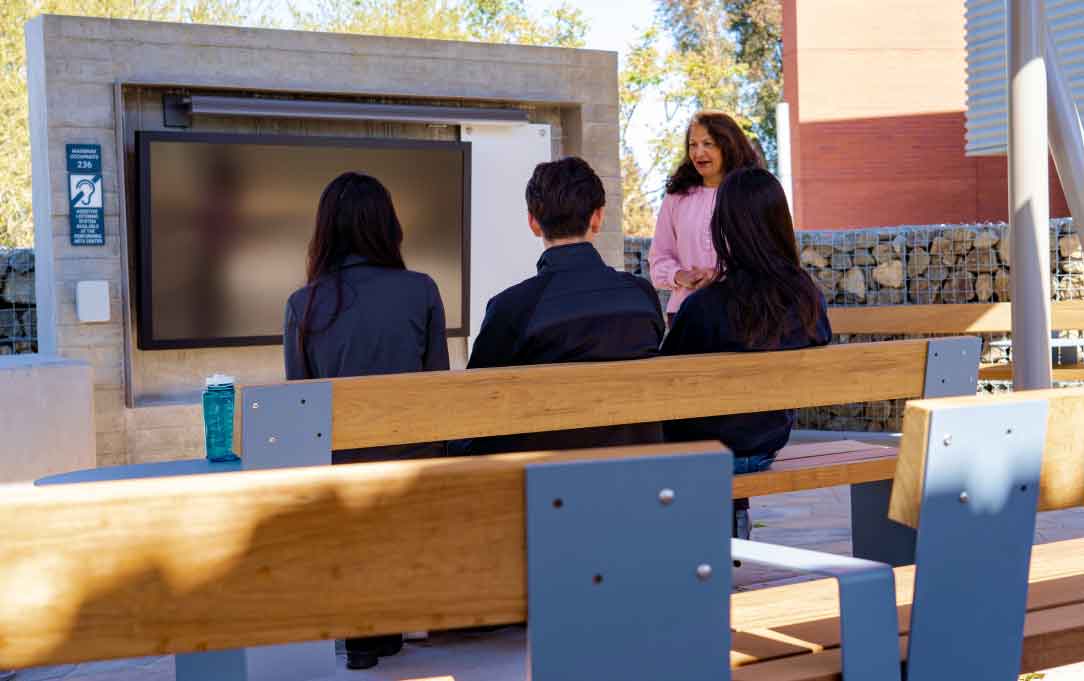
701 326
381 321
577 309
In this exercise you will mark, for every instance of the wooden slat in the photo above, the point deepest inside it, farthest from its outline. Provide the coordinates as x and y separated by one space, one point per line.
1052 638
807 449
807 615
954 319
166 565
792 604
849 468
1003 372
422 407
1062 481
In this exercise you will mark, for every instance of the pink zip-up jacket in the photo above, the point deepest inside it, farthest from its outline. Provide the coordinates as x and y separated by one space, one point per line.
682 240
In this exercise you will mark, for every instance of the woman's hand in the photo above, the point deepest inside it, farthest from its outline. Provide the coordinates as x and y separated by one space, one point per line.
695 278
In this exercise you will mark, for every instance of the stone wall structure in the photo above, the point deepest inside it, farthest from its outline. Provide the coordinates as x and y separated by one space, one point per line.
18 307
98 81
918 265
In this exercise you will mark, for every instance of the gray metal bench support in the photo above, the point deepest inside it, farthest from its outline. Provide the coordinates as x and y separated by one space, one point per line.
952 370
976 527
284 426
629 569
869 627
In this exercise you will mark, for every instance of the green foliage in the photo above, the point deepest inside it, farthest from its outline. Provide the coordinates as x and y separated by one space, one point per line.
16 221
699 54
494 21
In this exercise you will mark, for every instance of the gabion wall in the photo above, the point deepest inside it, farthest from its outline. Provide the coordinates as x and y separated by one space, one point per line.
914 265
18 313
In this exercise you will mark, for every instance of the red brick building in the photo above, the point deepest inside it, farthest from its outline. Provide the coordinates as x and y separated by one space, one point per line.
877 97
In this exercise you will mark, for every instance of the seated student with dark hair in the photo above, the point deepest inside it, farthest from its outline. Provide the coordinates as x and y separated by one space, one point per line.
576 309
760 299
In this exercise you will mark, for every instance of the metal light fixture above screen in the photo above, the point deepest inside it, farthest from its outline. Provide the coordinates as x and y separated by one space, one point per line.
180 109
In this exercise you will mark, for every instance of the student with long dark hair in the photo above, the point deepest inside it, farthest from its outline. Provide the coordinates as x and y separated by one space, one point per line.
362 313
759 299
682 259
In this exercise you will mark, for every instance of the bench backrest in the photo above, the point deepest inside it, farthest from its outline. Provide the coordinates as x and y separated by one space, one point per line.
423 407
171 565
970 475
945 319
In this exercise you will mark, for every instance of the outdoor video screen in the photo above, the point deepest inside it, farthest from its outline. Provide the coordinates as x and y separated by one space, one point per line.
226 221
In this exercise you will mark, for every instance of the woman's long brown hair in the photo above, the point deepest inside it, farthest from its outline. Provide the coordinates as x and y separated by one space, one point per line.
738 151
355 216
753 236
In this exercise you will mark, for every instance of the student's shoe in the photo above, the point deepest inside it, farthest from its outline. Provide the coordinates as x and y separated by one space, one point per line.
389 645
361 659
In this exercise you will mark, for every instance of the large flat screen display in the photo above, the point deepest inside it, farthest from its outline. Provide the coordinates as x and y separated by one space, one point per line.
225 222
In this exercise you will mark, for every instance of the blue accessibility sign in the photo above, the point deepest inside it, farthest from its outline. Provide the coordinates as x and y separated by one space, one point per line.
86 208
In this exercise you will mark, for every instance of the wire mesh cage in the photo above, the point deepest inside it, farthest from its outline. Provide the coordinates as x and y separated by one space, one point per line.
18 314
920 265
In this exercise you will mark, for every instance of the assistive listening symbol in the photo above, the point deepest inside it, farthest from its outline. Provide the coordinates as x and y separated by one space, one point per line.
83 189
86 190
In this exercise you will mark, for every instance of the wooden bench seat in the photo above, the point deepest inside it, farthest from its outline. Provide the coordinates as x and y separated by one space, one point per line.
791 632
817 465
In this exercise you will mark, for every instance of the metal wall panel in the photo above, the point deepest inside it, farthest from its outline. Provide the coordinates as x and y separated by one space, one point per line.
987 68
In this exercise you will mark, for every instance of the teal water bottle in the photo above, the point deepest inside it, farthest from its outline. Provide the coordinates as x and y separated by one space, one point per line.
218 418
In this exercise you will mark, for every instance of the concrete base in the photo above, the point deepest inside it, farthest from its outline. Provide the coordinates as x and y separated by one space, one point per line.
46 416
313 660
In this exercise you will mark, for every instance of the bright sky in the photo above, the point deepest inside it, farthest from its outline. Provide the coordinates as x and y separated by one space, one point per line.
614 23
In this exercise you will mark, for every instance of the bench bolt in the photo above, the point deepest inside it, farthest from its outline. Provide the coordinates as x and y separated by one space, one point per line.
703 572
666 496
964 498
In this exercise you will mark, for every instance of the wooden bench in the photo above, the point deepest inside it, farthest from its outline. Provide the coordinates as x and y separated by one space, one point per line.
957 319
146 567
424 407
792 632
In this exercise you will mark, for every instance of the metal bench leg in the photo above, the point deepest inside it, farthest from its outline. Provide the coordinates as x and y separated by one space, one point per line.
873 535
290 662
283 426
952 369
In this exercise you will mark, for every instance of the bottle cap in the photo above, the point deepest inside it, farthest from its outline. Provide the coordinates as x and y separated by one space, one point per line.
219 379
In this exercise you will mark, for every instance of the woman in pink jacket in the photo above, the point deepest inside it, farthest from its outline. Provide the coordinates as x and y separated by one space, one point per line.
682 257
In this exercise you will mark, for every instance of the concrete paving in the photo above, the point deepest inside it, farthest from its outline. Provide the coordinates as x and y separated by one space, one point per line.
817 519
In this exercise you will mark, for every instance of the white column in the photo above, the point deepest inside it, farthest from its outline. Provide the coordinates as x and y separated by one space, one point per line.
1029 203
1066 133
782 151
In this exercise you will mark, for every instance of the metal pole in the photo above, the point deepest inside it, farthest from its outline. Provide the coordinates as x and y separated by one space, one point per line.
1029 202
782 151
1066 133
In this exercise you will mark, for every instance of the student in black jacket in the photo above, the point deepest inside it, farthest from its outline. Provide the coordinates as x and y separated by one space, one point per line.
361 313
576 309
760 299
